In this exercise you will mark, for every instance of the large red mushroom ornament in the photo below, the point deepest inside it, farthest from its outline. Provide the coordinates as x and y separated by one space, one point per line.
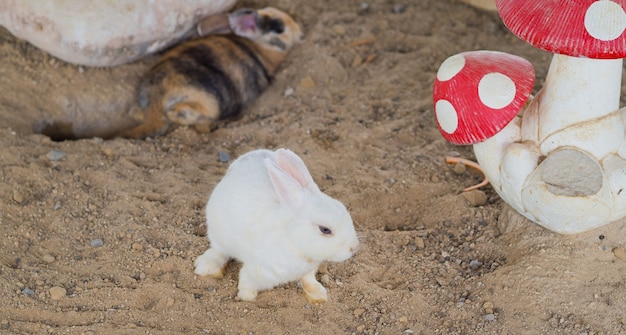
562 163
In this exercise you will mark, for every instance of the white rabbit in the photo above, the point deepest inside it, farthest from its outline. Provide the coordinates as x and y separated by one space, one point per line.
268 213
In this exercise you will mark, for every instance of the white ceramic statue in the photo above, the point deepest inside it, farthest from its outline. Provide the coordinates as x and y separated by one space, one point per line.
560 160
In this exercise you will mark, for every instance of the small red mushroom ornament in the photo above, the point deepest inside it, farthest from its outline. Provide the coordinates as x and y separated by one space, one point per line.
478 93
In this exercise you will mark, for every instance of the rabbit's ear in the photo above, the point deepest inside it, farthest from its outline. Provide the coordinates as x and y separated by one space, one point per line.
294 166
216 24
288 189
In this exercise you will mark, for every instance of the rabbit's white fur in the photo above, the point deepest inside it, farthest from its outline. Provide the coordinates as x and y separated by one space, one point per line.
268 213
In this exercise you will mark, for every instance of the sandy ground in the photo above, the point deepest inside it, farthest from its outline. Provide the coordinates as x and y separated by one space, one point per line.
99 237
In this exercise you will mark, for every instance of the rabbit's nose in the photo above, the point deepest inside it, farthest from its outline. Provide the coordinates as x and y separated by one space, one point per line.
354 247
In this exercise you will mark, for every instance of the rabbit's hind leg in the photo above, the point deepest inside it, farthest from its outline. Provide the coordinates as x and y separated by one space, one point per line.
211 263
190 106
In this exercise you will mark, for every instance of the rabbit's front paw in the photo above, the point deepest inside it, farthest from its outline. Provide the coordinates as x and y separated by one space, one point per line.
247 294
211 263
247 288
314 291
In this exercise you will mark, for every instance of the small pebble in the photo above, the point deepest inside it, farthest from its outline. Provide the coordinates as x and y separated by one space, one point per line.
510 220
55 155
398 9
14 262
459 168
339 30
488 307
96 243
289 91
325 279
18 197
620 253
358 60
441 281
28 291
358 312
445 255
57 205
224 157
419 242
306 83
476 198
56 293
475 265
107 152
364 7
48 258
490 317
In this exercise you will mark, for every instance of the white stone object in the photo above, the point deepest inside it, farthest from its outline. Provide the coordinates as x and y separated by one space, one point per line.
105 32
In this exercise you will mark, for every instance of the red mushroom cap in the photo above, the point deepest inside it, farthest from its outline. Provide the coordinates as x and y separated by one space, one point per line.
579 28
478 93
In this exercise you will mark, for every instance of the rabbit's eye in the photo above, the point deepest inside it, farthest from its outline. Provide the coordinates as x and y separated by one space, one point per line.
268 24
325 230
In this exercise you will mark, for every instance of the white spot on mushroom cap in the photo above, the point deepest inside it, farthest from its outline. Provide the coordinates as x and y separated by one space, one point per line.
450 67
496 90
605 20
447 116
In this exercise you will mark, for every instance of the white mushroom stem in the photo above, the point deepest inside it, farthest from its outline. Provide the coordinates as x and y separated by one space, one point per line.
577 106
